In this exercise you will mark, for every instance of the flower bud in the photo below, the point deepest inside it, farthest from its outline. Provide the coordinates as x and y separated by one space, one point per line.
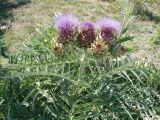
86 34
98 47
57 48
65 25
117 50
108 29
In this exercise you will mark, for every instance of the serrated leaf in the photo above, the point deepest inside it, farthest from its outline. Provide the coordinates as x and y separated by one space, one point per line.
124 39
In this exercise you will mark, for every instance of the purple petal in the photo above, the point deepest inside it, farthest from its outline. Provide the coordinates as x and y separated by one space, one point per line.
87 33
106 23
65 21
108 28
87 26
65 24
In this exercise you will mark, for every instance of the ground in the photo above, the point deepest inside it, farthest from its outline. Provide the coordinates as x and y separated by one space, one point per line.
27 18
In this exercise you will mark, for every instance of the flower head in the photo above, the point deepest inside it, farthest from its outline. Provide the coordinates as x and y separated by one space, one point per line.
86 35
87 26
65 24
108 28
98 47
57 48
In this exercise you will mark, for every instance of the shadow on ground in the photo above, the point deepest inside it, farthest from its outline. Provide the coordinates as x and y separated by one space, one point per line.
6 17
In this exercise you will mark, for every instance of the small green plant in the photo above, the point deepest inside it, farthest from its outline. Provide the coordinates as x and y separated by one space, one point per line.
156 37
3 48
141 9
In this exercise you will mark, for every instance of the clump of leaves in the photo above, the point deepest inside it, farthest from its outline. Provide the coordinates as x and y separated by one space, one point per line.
79 86
141 9
156 37
3 48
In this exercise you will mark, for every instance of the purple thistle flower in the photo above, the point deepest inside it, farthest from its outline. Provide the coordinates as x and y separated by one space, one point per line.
65 24
86 35
108 28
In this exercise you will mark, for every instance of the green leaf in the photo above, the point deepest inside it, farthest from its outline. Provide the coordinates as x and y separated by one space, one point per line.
125 30
124 39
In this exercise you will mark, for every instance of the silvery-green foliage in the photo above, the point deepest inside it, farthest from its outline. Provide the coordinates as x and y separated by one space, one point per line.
77 85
